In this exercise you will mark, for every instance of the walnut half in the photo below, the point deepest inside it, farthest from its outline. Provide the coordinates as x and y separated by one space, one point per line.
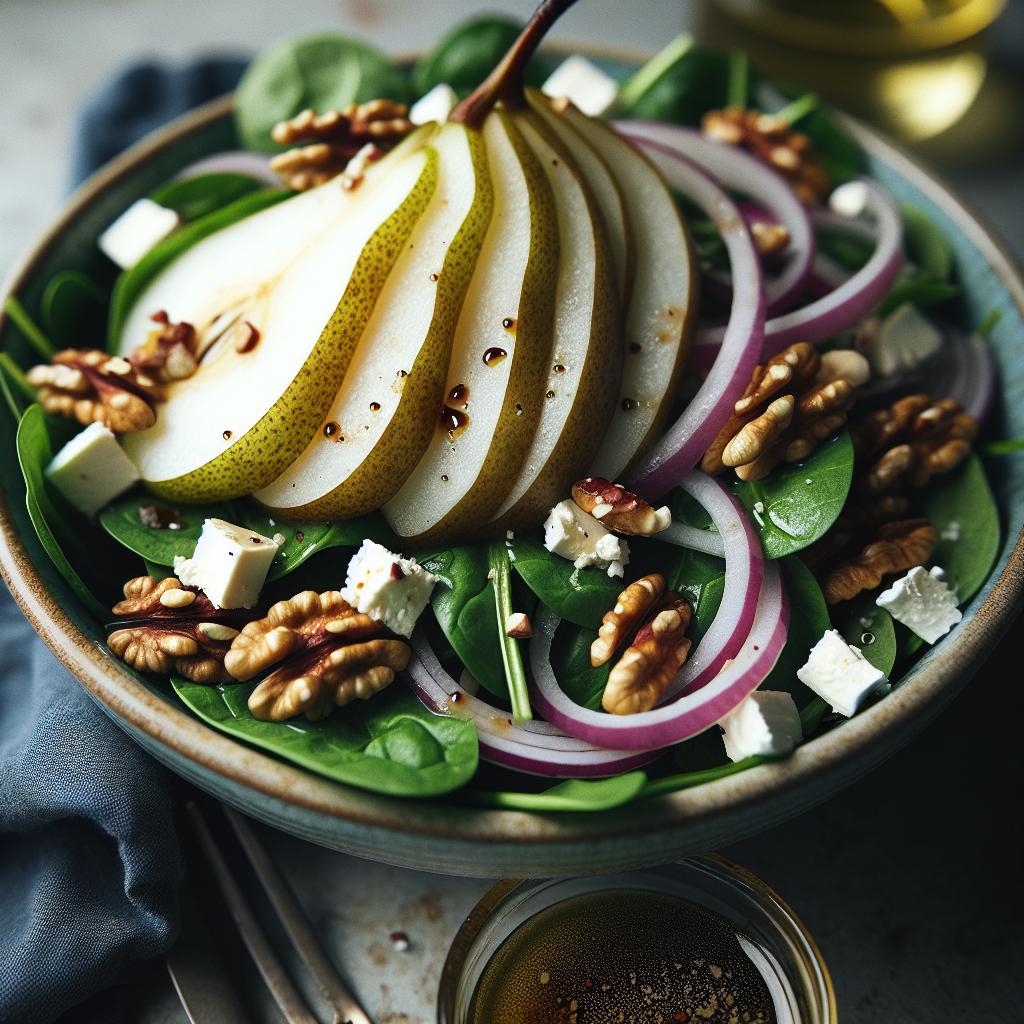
619 510
175 629
326 654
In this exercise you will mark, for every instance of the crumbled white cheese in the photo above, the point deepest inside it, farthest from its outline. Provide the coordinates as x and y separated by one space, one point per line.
902 341
434 105
136 231
92 469
584 83
387 587
849 199
951 531
840 674
579 537
767 723
230 564
923 602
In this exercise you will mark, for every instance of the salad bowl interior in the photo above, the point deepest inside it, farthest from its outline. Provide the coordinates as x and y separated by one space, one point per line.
449 835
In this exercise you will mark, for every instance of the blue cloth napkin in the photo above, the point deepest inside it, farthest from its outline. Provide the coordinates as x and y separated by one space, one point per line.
89 864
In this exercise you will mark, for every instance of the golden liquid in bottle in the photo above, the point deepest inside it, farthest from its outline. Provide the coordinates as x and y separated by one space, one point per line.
622 955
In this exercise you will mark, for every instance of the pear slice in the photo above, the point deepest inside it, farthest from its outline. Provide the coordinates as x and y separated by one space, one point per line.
604 191
498 372
586 358
661 314
306 274
383 416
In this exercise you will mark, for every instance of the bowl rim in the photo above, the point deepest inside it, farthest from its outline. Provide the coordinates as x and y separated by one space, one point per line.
830 761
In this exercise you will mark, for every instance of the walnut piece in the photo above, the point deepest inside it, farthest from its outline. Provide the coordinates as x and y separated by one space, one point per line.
640 677
897 547
326 653
793 402
337 142
175 629
912 441
619 510
631 607
773 141
91 386
169 353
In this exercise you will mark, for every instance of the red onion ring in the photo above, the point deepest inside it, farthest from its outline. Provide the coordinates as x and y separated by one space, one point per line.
236 161
842 307
685 536
691 713
535 747
688 438
737 170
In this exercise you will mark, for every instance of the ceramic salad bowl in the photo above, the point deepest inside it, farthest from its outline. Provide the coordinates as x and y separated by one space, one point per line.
448 835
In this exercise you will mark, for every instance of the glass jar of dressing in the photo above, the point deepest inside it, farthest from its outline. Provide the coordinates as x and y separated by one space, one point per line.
699 941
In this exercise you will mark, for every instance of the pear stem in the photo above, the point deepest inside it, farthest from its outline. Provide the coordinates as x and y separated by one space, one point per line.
505 82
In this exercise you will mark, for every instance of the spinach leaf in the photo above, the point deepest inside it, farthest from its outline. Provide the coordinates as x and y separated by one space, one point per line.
871 629
571 795
840 154
570 661
921 290
808 622
324 71
57 539
29 329
73 310
17 393
679 85
796 504
700 578
123 520
581 596
463 602
193 198
390 744
961 507
467 54
132 283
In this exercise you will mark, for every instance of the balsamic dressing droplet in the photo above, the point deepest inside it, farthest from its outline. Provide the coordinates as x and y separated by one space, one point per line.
454 418
375 407
226 435
508 323
559 368
332 431
629 403
494 355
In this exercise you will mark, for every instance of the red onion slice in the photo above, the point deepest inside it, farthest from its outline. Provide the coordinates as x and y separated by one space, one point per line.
841 308
741 172
535 747
236 161
691 713
688 438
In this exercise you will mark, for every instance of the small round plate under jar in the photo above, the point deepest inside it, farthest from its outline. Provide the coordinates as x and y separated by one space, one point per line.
702 940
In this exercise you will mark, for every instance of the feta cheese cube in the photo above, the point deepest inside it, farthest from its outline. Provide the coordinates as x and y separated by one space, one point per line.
229 565
136 231
579 537
767 723
923 602
434 105
92 469
903 340
584 83
840 674
387 587
849 199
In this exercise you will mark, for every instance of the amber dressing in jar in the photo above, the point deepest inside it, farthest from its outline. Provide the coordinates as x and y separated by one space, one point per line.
623 955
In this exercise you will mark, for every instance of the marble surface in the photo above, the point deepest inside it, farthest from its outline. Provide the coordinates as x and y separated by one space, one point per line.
910 879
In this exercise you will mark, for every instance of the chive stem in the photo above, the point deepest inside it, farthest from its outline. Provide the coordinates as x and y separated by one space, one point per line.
16 376
739 80
515 673
1009 446
636 86
988 325
800 107
28 327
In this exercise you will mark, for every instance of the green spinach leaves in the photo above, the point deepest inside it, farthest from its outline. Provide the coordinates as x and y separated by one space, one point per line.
195 197
324 71
390 744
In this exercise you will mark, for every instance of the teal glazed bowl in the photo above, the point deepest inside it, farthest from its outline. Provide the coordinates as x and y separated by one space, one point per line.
444 836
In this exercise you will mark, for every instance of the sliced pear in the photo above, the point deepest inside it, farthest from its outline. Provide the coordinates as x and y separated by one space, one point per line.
385 412
257 397
586 358
661 314
498 373
604 191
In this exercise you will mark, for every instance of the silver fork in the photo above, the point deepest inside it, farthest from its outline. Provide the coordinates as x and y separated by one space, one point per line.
344 1007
